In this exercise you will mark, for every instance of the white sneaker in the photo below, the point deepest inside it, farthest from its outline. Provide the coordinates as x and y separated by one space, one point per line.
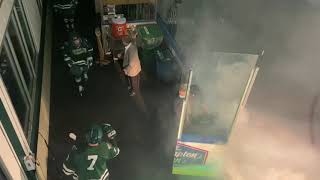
81 89
132 93
78 79
85 76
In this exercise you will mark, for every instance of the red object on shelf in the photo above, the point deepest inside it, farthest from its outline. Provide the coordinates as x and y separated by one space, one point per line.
119 27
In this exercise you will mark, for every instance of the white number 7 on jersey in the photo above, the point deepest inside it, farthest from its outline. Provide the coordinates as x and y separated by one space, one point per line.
93 162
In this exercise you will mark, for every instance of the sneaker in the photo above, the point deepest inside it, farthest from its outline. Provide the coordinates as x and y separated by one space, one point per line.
81 89
85 76
132 93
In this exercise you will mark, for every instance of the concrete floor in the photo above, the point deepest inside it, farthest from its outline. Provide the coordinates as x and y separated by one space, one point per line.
140 140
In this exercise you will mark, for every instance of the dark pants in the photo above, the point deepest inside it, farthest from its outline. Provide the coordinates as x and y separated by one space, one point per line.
134 83
80 74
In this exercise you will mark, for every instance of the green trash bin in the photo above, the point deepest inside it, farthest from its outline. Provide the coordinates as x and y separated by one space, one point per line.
167 69
147 60
149 36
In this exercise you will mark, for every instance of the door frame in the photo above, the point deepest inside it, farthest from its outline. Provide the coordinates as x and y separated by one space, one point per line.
8 47
8 106
10 169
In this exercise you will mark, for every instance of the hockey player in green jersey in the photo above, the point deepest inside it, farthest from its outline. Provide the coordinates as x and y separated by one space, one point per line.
78 56
88 161
66 9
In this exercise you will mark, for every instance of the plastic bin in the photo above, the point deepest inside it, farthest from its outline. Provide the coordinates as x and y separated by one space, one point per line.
119 27
167 69
149 36
147 58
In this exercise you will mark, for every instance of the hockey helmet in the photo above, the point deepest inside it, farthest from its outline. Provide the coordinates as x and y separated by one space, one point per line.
75 38
126 40
94 135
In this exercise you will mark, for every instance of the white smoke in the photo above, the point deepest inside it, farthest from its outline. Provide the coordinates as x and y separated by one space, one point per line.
261 148
273 141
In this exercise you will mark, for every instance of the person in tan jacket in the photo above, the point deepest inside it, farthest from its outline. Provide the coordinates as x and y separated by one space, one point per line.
131 66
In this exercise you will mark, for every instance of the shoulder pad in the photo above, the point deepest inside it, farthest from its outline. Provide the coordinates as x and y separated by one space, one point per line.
106 124
74 148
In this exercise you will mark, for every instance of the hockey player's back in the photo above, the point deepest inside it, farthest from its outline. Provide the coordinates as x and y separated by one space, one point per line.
89 161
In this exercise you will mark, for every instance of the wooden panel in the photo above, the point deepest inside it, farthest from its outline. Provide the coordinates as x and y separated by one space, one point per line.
34 20
5 10
8 159
44 117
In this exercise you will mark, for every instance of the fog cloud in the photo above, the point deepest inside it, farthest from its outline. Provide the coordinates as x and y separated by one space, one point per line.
274 143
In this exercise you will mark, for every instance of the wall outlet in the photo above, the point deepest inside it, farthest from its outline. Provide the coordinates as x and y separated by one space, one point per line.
29 162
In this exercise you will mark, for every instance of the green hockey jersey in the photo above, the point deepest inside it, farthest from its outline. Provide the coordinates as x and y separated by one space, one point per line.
90 162
79 59
67 8
78 55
